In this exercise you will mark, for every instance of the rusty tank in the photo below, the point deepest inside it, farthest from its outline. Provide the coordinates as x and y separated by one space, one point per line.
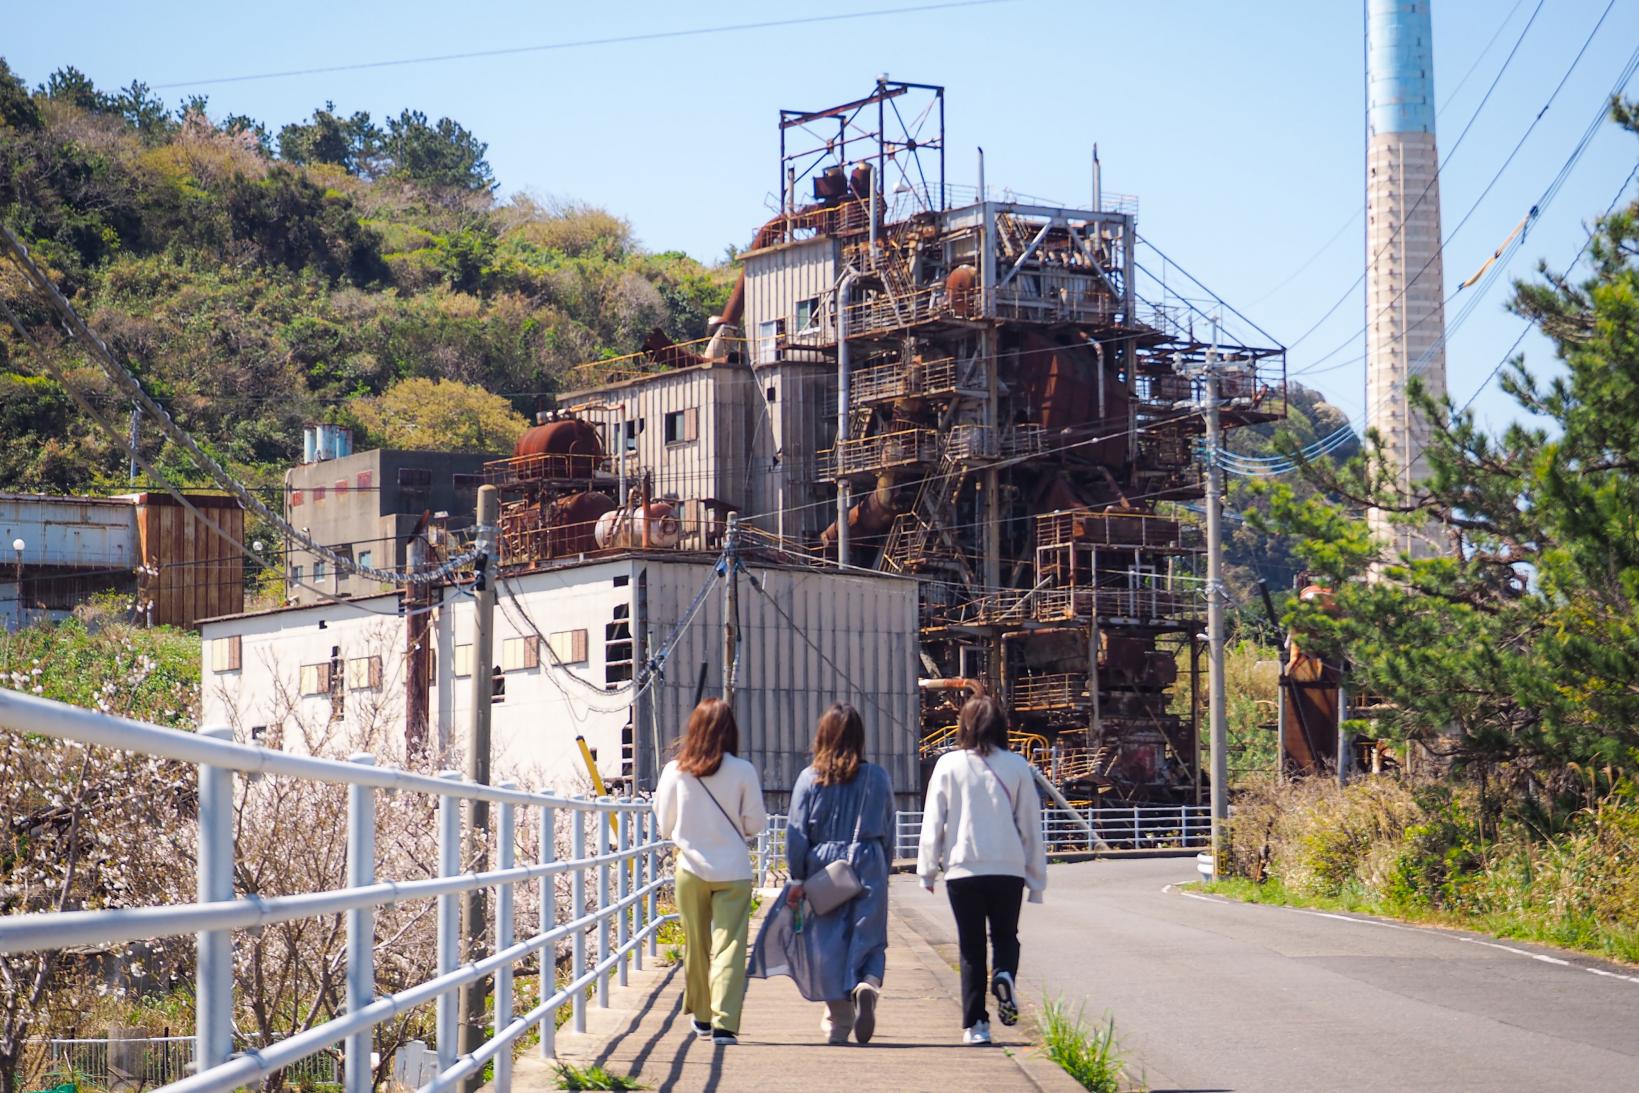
565 447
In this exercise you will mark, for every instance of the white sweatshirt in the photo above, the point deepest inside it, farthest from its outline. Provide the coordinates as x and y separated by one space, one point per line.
968 827
712 845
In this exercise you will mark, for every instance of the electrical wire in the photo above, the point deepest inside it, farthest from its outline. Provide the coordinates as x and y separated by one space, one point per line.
123 378
622 39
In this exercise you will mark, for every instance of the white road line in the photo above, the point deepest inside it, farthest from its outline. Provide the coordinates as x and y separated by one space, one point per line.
1543 957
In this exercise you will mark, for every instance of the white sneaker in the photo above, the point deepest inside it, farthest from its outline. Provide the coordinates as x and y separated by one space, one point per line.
978 1034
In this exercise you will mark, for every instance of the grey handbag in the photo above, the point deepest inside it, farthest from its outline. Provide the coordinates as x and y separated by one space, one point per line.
837 883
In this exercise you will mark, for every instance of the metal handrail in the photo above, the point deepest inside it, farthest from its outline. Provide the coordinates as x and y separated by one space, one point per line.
625 915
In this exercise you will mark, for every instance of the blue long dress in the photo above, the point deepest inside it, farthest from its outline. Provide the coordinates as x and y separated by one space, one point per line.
850 944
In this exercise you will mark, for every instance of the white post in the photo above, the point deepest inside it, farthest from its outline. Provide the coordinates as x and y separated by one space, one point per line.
549 919
449 918
653 871
603 923
577 896
357 1073
640 861
623 889
505 858
213 1023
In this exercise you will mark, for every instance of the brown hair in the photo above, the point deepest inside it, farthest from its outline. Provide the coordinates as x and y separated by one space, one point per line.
711 733
839 745
982 725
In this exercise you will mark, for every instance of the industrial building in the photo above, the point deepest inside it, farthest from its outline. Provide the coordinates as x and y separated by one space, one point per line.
572 642
921 379
59 551
367 506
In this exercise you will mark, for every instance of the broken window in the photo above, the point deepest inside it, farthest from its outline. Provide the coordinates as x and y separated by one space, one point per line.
808 313
617 647
314 679
682 426
364 674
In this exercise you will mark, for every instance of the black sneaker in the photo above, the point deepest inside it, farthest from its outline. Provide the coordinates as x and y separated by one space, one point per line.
702 1030
1007 1009
722 1037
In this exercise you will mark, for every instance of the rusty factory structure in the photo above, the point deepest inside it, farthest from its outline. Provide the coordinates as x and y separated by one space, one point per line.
941 382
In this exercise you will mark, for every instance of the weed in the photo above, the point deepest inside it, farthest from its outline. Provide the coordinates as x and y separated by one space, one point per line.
1088 1055
593 1077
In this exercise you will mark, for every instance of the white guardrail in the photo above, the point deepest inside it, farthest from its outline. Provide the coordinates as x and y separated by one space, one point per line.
625 882
1129 827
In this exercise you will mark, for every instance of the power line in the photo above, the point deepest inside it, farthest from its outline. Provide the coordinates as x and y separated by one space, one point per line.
622 39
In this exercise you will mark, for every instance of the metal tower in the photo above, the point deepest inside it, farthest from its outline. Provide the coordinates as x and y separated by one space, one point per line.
1405 278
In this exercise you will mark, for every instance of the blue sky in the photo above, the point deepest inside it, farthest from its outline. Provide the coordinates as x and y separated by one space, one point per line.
1239 125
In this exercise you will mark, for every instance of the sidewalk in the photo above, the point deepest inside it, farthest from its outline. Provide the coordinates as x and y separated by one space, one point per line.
916 1047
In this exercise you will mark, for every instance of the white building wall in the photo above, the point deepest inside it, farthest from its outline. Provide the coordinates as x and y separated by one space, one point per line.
860 647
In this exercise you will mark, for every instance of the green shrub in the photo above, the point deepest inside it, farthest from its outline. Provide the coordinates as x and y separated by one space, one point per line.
1088 1055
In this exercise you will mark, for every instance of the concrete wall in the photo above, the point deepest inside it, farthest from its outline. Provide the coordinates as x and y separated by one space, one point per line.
862 629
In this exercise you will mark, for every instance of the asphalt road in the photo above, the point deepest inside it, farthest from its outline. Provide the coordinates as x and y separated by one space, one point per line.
1214 995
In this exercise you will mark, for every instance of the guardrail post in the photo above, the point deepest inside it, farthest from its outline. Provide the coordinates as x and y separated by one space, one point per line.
653 871
603 923
449 918
640 859
624 888
506 839
213 1023
357 1072
577 894
549 919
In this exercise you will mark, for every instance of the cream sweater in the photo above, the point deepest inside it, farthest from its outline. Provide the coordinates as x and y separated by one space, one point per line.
711 845
968 828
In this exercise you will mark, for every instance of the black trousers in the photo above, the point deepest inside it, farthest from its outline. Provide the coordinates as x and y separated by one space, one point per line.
976 902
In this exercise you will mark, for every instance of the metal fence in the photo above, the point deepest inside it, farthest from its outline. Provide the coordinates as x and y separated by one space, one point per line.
1135 827
149 1061
621 884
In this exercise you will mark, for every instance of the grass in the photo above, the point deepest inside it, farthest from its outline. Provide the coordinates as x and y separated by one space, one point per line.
1088 1055
593 1077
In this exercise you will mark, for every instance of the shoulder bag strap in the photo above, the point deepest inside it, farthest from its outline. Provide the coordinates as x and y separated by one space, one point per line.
719 804
1012 806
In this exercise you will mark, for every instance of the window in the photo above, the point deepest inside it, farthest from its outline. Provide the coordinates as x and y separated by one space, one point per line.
366 479
808 313
367 558
520 654
617 648
770 393
569 646
318 494
364 674
682 426
632 429
318 570
463 661
341 486
226 653
315 679
257 733
296 574
296 498
768 340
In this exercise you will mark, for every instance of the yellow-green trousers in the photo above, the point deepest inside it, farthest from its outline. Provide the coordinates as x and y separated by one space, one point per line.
716 916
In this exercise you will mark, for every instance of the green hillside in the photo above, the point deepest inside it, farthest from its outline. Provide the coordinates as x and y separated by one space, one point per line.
256 280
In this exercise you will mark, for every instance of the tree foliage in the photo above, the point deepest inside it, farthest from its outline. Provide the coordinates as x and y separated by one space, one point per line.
253 292
1520 641
442 415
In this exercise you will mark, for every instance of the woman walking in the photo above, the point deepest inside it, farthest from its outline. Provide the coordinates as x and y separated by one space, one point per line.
981 826
841 810
708 802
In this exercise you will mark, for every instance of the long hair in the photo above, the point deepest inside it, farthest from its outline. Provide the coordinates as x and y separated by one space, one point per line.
839 745
711 733
982 725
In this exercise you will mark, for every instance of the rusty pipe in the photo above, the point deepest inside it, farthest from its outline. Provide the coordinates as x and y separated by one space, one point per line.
957 683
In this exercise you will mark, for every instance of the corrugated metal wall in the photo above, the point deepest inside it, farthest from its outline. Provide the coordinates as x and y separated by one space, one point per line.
864 625
200 574
715 463
777 278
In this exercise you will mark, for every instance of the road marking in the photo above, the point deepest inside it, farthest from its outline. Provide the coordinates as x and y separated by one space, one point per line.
1427 931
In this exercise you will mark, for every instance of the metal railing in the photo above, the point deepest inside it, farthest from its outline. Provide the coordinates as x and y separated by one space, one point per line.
1134 827
622 884
148 1061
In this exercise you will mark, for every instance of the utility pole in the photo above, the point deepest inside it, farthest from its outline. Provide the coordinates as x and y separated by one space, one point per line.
471 1007
1345 757
418 599
136 436
731 606
1215 616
